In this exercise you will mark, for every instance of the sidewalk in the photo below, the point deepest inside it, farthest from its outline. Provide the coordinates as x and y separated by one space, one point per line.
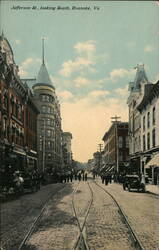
152 188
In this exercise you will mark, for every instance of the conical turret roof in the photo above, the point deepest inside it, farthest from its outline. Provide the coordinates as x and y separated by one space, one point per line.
43 78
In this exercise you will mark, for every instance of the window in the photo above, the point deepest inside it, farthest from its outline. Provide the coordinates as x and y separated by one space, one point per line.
144 143
48 121
153 116
127 141
120 141
48 132
46 98
48 145
120 156
153 138
148 141
48 110
148 119
144 123
44 109
49 156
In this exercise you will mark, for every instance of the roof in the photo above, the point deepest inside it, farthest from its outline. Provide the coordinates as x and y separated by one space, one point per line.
139 78
43 77
151 91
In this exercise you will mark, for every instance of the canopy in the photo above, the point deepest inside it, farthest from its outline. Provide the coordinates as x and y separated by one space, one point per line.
153 162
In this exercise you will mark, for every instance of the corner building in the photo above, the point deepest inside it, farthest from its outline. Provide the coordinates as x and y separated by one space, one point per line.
49 123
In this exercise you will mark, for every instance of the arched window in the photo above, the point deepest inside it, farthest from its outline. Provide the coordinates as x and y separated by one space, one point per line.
153 115
148 141
153 138
148 119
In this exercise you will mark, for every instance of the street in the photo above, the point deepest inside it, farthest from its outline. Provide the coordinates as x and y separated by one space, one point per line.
58 226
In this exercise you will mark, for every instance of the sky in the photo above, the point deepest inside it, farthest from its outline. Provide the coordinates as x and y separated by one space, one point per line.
90 55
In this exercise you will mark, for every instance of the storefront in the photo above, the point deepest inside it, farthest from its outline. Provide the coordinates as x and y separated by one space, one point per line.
153 167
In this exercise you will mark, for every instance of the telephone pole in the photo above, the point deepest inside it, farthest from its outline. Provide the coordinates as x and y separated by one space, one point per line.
115 120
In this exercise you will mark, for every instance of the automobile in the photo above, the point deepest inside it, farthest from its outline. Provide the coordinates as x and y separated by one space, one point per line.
133 182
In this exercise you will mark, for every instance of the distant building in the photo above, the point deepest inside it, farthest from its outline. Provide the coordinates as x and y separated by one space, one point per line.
149 116
49 122
18 115
136 89
67 151
116 147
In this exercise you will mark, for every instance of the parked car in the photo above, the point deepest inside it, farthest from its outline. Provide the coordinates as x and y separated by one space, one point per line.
133 182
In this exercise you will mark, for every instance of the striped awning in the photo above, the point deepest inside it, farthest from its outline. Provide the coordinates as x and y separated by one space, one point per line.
153 162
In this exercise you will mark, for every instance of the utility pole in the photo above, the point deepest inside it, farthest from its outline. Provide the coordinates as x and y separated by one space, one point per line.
115 120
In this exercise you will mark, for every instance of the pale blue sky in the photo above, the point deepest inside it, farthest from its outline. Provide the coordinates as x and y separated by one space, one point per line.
90 55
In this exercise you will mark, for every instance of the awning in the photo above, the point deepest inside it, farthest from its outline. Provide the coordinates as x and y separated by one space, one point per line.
153 162
19 152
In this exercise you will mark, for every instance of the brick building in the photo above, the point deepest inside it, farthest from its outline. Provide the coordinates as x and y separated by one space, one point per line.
116 147
17 138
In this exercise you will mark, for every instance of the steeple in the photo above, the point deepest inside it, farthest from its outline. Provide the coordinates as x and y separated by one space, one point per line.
43 77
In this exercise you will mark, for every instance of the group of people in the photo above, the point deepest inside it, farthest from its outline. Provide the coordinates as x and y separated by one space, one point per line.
68 177
106 178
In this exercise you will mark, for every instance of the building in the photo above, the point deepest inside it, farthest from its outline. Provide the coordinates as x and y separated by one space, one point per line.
116 147
67 151
15 100
149 117
49 122
136 89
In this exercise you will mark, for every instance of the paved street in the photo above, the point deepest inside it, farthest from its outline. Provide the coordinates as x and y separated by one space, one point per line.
58 226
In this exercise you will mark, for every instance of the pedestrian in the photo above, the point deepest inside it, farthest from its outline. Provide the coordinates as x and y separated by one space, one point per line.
79 176
106 180
85 176
71 177
102 177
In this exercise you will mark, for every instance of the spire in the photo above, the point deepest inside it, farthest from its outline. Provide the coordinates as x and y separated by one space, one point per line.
43 77
43 62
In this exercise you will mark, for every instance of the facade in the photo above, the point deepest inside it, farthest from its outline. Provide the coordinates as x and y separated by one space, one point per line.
67 151
49 123
15 99
116 146
136 89
149 116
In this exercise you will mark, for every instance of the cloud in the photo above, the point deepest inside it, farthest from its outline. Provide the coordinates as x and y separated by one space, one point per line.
65 95
81 81
86 47
80 63
88 123
122 92
24 66
84 60
98 93
116 74
17 42
149 48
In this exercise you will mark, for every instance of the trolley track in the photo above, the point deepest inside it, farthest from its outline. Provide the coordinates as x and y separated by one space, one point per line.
34 224
81 243
137 243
